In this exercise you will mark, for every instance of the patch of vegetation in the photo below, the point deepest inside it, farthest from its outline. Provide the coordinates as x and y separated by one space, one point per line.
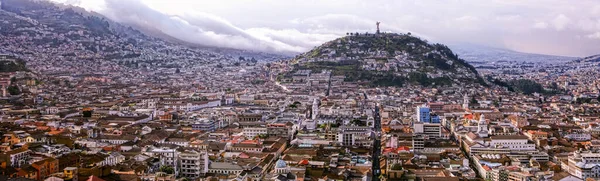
583 100
396 167
526 86
294 105
167 169
358 122
500 83
13 90
422 79
13 66
337 68
353 73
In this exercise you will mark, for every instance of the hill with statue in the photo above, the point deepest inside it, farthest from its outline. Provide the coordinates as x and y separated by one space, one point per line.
387 59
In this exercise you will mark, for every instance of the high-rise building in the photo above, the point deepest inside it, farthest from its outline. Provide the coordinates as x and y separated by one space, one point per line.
423 114
193 164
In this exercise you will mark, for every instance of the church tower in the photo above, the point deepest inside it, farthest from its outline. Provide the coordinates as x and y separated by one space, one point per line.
482 127
315 109
466 101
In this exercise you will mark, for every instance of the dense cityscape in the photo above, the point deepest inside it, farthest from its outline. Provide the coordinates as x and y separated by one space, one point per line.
85 98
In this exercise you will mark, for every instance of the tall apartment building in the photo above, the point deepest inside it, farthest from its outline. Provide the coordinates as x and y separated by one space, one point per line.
193 164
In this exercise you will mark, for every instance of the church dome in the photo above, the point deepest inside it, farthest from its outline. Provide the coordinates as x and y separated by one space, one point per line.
280 164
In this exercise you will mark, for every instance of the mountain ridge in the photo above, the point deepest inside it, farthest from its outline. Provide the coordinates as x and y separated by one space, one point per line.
593 58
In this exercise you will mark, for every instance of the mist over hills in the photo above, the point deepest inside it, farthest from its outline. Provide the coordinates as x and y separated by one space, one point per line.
477 53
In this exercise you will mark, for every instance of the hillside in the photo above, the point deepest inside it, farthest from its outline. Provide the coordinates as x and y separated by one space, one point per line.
45 34
388 60
595 58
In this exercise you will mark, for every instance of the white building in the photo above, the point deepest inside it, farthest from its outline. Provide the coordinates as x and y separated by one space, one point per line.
168 157
513 142
583 165
193 164
354 135
433 130
113 159
578 136
251 132
501 144
18 157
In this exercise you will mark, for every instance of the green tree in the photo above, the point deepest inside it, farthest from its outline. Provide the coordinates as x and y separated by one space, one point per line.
357 122
473 101
167 169
396 167
87 114
13 90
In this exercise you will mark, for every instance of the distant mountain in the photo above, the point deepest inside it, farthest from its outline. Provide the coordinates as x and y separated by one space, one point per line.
388 59
595 58
476 53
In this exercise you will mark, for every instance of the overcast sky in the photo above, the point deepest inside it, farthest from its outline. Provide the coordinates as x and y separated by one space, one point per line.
555 27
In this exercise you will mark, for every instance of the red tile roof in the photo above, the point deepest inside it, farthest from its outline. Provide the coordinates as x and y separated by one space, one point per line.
94 178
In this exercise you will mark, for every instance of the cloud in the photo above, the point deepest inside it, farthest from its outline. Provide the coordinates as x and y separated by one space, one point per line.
467 18
560 22
194 27
540 25
594 35
510 17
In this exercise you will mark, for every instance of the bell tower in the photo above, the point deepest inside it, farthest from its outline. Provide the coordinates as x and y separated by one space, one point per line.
482 127
466 101
315 109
